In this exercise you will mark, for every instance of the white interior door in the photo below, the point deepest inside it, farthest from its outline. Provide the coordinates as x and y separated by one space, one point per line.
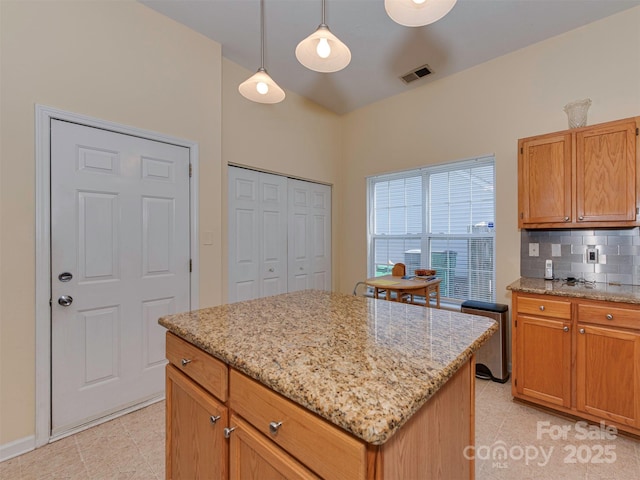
309 256
257 234
119 260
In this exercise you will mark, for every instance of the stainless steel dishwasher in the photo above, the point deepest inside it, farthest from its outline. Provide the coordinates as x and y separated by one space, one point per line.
491 359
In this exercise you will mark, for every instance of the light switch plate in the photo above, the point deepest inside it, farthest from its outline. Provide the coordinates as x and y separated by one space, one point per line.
534 250
592 255
556 251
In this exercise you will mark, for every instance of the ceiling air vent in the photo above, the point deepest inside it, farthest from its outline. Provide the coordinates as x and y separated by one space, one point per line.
416 74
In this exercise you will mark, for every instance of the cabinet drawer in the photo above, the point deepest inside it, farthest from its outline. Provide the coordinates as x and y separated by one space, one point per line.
322 447
611 316
545 307
209 372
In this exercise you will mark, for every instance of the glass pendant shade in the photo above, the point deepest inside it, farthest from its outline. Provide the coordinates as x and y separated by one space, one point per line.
417 13
323 52
261 88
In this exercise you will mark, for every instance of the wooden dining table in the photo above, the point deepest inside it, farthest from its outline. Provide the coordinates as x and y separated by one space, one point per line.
405 288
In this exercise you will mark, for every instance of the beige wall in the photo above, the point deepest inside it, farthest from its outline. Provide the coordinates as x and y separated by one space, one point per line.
485 110
122 62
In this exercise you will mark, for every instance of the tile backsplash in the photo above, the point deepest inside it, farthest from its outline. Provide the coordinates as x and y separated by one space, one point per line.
618 254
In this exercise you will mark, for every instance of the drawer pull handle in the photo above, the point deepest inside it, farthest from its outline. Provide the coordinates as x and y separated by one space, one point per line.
274 427
227 431
609 316
542 308
582 331
185 362
566 329
214 418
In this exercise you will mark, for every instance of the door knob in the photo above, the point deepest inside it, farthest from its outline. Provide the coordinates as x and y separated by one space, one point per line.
65 277
65 300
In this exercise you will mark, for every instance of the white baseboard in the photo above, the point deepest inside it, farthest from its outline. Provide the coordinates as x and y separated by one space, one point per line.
17 447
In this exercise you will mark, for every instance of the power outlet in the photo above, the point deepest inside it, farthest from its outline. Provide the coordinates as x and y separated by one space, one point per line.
592 255
534 250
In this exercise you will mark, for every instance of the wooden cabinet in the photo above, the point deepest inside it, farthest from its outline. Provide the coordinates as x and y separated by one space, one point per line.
196 389
325 449
222 424
195 447
585 177
578 356
254 456
608 363
543 349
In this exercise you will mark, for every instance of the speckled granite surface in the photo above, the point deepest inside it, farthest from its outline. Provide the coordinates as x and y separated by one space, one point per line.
365 365
599 291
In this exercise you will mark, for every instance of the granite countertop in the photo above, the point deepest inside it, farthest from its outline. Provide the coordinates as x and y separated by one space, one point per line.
594 291
365 365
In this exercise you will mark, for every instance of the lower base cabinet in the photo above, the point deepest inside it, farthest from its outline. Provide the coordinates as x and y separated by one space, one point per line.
250 432
580 357
608 374
195 443
254 456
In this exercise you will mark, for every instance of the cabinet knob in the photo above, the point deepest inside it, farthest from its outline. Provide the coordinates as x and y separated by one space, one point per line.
581 331
542 308
580 218
566 329
228 430
185 362
609 316
274 427
214 418
566 219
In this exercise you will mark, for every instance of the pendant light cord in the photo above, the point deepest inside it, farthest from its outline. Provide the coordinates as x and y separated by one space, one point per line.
323 19
261 34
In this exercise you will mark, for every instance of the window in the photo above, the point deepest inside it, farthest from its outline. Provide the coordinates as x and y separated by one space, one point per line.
439 217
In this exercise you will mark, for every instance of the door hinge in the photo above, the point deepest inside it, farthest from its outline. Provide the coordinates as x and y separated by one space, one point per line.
516 323
190 265
516 382
190 170
521 150
637 131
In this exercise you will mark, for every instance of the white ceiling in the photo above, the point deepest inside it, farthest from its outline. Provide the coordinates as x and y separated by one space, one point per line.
473 32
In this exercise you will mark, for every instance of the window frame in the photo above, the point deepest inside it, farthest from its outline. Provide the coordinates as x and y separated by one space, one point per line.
426 239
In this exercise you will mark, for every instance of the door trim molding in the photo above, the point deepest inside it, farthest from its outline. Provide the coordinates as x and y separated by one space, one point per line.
43 117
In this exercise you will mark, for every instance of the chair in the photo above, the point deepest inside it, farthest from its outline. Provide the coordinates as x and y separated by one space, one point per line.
399 270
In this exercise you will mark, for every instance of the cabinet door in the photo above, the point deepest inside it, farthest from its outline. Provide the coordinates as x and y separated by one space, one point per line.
606 173
544 180
254 457
543 369
196 447
608 374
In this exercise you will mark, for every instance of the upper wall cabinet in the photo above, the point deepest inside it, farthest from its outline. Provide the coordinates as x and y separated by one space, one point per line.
580 178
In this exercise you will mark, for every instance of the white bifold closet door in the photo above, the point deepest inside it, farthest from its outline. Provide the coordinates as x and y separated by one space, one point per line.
309 226
279 235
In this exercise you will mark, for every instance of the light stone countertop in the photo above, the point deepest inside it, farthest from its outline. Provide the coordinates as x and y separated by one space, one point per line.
596 291
365 365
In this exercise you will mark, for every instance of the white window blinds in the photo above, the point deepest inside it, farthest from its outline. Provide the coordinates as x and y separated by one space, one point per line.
439 217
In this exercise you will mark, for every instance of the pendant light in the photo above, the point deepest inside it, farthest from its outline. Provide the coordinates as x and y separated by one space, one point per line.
260 87
322 51
417 13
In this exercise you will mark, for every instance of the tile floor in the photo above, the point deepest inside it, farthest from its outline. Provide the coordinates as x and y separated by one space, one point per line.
132 447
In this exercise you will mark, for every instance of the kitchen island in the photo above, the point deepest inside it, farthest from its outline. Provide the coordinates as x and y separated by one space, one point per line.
318 384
